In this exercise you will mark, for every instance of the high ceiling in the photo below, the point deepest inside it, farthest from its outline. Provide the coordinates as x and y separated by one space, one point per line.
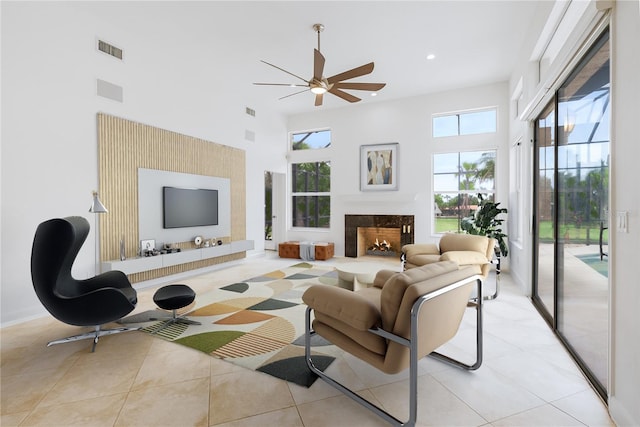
474 42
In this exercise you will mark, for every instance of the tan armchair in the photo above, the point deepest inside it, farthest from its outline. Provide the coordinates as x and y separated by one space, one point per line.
465 249
402 318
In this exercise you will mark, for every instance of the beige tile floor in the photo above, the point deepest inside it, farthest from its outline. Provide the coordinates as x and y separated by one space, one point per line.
133 379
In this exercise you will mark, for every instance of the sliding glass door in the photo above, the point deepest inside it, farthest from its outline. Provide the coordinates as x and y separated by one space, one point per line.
545 200
571 285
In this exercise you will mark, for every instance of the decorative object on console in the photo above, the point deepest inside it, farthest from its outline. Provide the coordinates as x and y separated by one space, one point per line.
379 167
97 208
147 247
122 251
197 241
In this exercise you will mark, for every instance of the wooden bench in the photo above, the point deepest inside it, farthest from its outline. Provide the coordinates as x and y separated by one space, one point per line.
322 250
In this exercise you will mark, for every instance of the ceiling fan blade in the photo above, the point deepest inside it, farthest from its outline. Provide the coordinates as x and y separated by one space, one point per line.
280 84
295 93
355 72
318 64
282 69
344 95
318 99
359 86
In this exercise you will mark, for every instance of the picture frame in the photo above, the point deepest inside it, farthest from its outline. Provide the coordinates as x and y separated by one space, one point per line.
379 167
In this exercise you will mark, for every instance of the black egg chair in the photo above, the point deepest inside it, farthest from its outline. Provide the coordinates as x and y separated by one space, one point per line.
96 301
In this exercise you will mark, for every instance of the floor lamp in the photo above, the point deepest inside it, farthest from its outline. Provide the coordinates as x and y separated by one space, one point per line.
97 208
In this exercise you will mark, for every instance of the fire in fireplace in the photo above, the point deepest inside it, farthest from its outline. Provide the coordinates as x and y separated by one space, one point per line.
379 241
381 248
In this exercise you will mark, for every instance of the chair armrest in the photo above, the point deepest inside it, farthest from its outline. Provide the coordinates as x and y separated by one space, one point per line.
343 305
465 257
110 279
420 249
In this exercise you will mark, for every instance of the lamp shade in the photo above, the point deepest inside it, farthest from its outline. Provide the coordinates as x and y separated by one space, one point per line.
96 205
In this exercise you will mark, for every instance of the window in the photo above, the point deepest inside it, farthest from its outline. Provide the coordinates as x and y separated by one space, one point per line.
310 179
469 123
458 178
311 198
311 140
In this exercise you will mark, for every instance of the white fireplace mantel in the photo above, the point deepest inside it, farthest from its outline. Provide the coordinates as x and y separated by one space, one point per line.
377 196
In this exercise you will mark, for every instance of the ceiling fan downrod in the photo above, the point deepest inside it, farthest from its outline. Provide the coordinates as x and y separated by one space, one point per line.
318 28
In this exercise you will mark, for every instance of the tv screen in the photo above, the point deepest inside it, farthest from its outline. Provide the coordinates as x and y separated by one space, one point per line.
189 207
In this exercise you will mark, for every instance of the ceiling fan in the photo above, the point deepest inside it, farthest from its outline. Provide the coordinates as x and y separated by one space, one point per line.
319 85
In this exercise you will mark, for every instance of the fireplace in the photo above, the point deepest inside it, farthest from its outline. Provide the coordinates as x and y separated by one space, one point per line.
381 235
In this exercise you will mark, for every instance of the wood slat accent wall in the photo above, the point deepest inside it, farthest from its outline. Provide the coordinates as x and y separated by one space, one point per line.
123 147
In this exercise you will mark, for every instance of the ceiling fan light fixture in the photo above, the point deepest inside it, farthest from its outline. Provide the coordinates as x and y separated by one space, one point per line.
318 90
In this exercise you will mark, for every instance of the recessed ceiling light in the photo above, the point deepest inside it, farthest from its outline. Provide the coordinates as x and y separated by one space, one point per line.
431 56
374 94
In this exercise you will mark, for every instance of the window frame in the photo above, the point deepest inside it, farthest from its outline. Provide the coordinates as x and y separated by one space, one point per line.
472 192
309 133
313 155
457 115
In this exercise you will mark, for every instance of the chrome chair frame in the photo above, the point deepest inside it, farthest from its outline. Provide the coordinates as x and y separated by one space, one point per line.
412 344
95 335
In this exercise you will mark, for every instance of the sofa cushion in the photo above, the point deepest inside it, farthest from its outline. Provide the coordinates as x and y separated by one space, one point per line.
344 305
463 242
366 339
420 248
395 287
423 259
465 257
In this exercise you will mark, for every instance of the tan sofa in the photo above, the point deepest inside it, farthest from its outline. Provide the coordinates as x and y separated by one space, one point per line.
465 249
403 317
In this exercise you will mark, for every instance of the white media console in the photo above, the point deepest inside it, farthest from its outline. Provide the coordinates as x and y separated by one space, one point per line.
140 264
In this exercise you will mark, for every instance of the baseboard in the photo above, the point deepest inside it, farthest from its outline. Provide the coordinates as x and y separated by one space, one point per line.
620 415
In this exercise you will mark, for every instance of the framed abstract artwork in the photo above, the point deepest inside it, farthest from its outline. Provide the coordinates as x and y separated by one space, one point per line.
379 167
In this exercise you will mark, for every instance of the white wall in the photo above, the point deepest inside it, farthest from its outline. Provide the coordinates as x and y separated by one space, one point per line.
625 197
407 122
172 79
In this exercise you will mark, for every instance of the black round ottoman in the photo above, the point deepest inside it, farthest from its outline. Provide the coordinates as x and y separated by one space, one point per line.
174 297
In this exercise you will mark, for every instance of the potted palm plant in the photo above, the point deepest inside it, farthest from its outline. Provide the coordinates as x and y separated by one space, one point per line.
485 222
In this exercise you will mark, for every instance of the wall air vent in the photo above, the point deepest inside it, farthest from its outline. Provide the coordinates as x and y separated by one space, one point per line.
250 111
109 90
109 49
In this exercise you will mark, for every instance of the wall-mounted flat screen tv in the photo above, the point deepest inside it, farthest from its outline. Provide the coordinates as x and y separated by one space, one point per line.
189 207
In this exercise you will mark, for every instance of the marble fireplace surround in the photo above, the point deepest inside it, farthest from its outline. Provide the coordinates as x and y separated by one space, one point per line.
403 223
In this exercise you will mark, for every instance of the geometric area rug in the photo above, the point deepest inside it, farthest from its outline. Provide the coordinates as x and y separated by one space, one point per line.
257 323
